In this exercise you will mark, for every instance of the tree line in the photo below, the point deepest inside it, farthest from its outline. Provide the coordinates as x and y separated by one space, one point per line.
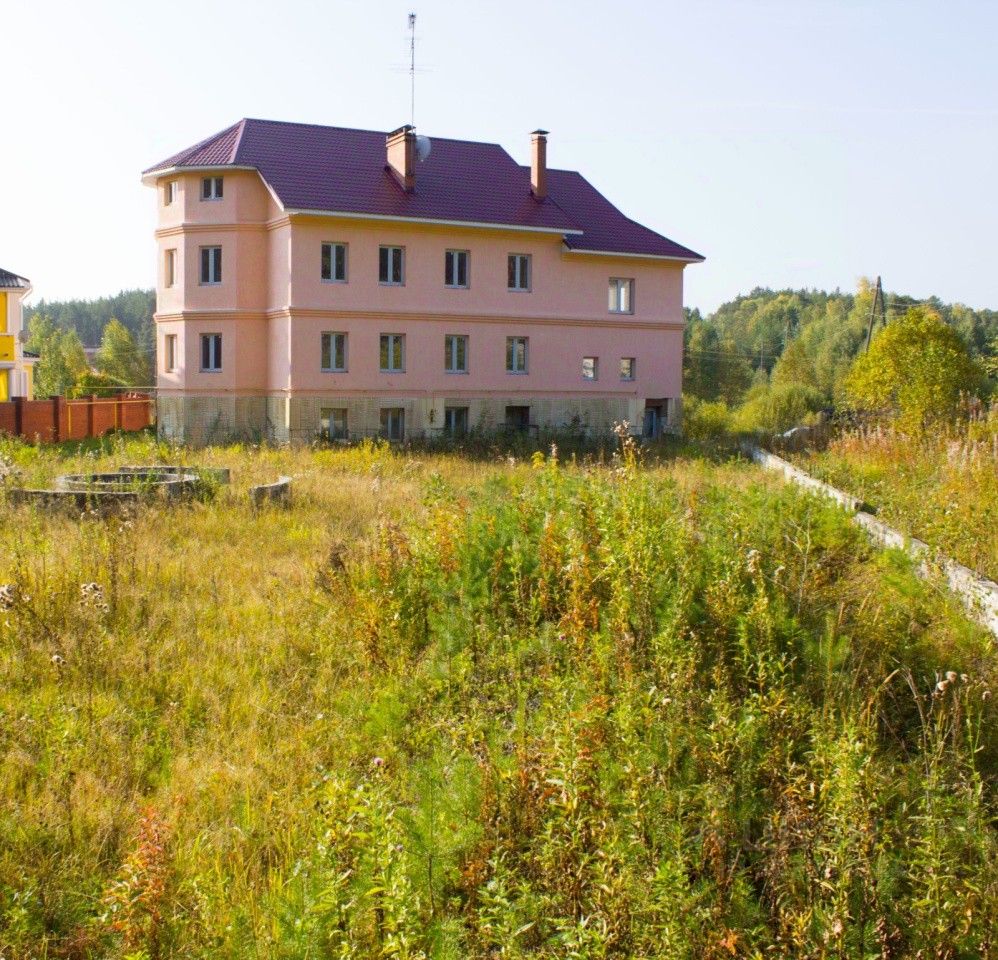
120 331
772 359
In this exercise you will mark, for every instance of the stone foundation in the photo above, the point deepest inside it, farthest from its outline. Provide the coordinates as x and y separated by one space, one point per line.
201 420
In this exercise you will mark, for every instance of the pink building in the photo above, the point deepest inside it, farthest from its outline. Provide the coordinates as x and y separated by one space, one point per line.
323 281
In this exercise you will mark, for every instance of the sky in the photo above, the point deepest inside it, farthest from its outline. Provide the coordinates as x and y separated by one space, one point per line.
794 144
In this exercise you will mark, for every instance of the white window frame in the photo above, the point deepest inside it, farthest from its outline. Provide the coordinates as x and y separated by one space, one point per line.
616 286
450 416
170 267
327 416
333 246
331 336
451 353
511 365
633 361
212 188
521 262
170 353
393 413
592 376
171 190
393 253
452 269
214 266
392 338
214 352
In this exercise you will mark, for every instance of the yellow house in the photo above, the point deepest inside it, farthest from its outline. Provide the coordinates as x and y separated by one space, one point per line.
16 366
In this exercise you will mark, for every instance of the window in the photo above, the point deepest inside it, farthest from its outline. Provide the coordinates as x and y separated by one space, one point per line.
518 271
628 368
455 421
211 265
334 352
170 352
211 352
334 424
456 268
455 354
392 352
516 354
518 419
393 423
391 265
170 192
590 368
211 188
621 295
170 268
334 262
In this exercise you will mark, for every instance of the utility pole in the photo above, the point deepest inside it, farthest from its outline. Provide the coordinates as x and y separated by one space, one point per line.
878 297
412 69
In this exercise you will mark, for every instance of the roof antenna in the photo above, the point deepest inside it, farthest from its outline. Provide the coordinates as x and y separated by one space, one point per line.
412 69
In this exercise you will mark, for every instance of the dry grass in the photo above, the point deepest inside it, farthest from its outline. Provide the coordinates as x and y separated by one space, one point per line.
451 707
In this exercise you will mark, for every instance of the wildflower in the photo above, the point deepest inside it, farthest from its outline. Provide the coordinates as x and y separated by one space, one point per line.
8 596
951 676
378 762
92 596
57 660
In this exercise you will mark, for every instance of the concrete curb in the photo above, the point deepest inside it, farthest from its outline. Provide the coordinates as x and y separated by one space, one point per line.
978 595
278 492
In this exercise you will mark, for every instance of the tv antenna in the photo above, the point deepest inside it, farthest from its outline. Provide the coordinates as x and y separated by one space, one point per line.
412 69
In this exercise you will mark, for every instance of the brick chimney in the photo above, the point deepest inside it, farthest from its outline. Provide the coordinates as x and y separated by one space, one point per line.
539 164
400 146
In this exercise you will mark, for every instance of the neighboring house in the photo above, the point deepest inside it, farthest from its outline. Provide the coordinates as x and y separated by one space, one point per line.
324 281
16 365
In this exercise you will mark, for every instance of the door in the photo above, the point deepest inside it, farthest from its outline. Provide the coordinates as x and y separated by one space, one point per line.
653 422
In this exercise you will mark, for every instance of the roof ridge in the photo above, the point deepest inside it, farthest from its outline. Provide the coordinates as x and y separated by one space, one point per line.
383 133
238 140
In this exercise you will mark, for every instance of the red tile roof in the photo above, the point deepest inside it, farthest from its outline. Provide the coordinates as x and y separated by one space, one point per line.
333 169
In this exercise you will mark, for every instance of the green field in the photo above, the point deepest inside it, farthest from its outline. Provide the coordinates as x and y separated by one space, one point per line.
485 706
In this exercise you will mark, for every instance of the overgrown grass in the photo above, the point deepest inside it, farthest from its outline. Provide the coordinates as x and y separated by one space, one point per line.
454 708
941 487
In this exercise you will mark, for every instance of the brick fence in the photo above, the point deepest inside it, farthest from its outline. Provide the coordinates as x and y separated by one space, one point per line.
60 419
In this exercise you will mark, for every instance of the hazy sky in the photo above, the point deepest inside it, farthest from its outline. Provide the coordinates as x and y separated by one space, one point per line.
793 143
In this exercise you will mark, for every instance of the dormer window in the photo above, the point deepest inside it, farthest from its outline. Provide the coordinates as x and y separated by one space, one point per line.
211 188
